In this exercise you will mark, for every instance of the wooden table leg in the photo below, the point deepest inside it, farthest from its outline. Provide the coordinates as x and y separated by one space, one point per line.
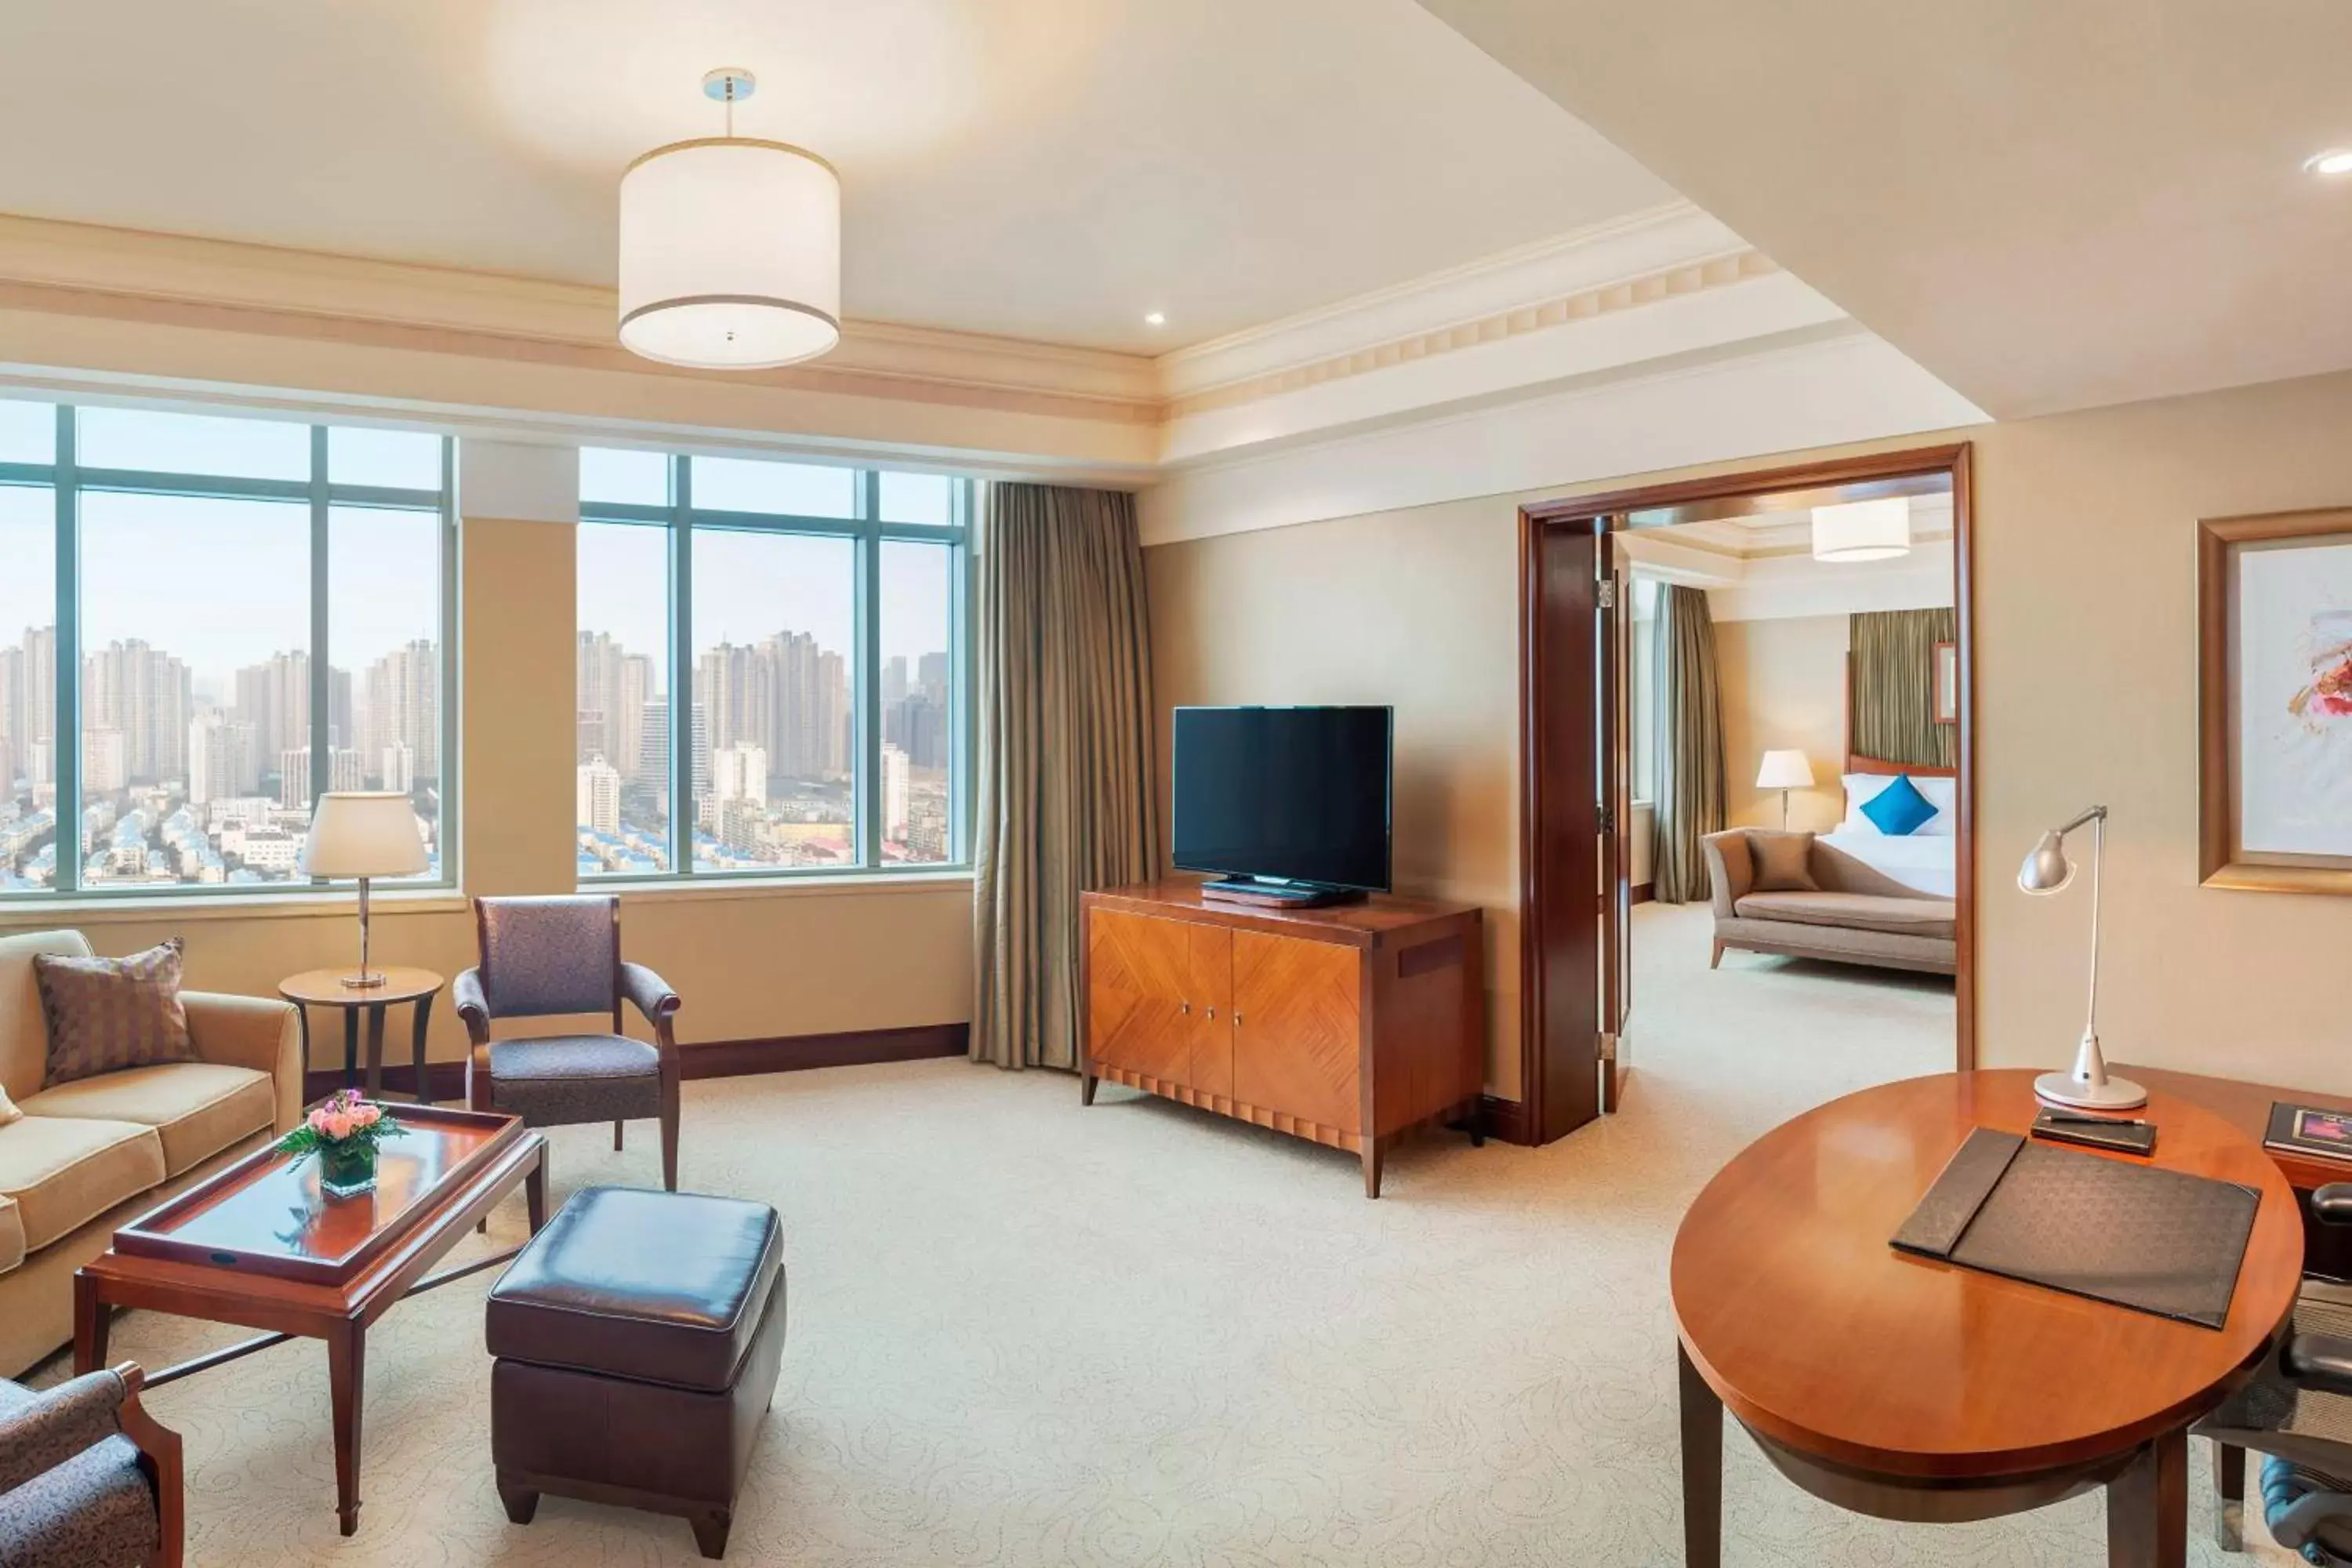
89 1325
375 1051
351 1047
424 1011
535 1192
2148 1507
347 1383
2229 1497
302 1018
1702 1443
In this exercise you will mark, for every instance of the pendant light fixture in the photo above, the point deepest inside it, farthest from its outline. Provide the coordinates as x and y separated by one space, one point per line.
1863 530
730 248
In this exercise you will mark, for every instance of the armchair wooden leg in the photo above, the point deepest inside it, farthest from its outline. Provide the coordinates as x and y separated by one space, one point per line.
616 1137
159 1460
669 1133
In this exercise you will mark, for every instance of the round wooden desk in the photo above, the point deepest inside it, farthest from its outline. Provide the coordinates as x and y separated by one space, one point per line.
325 988
1913 1389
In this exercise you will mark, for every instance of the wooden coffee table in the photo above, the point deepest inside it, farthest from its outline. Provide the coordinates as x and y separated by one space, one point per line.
259 1246
1911 1389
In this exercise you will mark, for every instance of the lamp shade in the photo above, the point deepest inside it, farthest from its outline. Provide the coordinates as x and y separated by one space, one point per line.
1863 530
731 254
2046 870
1785 769
370 833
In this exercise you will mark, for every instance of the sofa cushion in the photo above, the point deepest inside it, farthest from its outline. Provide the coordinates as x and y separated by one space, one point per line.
199 1107
12 1233
1783 862
1855 911
62 1170
24 1030
108 1014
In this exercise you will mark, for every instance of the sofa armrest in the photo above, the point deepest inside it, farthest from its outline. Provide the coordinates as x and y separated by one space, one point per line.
258 1032
1730 868
57 1424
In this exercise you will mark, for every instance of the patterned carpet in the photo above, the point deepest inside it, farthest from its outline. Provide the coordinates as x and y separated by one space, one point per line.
1025 1334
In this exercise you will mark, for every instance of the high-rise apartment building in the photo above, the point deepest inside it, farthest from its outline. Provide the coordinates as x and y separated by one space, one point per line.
105 760
615 686
893 793
223 763
143 693
346 770
740 771
397 769
274 696
597 796
403 709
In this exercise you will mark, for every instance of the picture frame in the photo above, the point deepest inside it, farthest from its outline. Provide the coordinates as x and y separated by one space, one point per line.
1948 683
2274 702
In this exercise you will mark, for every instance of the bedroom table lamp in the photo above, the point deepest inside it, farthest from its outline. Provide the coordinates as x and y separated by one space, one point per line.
364 833
1785 771
2048 870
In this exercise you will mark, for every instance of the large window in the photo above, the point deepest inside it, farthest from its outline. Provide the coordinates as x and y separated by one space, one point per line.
813 617
256 611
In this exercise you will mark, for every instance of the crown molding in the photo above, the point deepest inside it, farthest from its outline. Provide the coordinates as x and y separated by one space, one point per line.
85 269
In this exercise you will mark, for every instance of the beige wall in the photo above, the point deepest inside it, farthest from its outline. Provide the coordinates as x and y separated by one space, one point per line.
1783 684
750 964
2085 691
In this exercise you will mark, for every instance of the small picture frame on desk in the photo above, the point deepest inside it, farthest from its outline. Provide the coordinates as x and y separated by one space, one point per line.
2310 1129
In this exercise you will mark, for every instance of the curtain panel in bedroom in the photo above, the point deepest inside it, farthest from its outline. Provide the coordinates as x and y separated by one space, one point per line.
1068 797
1688 717
1895 687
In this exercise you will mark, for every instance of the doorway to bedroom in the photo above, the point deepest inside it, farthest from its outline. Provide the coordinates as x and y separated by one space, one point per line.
1771 703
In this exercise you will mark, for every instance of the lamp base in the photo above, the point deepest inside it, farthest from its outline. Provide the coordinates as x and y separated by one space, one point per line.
363 981
2065 1088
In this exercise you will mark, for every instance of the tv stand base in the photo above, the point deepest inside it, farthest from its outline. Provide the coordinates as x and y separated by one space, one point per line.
1278 895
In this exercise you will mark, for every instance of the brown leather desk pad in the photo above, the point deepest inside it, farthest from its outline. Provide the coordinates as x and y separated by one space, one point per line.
2134 1236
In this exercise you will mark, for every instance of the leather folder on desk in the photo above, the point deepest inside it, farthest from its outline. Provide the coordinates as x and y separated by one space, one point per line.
2131 1234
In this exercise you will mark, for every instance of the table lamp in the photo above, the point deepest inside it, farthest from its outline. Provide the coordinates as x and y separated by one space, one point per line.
1785 771
2048 870
364 833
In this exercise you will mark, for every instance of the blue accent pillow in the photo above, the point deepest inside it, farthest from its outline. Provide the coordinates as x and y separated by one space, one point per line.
1899 808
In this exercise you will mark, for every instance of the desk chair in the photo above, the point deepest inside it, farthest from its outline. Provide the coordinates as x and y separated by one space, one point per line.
2297 1411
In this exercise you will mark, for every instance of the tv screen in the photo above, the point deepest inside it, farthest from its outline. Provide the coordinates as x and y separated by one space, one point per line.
1297 794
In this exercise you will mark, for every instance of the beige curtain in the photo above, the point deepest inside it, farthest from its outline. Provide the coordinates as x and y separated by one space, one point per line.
1895 687
1689 744
1068 793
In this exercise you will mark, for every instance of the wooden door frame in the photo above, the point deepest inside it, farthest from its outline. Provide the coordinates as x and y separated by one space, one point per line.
1544 911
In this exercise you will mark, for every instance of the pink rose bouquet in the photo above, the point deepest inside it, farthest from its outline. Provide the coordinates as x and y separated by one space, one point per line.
341 1119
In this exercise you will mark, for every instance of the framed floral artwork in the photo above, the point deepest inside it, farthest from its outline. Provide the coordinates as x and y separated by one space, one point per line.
2274 785
1948 683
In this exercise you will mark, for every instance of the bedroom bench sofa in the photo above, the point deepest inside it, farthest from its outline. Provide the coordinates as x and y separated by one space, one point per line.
1852 913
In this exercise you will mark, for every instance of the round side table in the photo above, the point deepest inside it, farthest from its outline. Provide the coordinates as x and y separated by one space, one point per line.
1915 1390
325 988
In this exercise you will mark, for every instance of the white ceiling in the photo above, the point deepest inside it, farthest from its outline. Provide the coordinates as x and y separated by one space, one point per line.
2047 205
1042 169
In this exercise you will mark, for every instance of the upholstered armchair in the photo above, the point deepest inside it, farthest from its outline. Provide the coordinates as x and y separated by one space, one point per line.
87 1477
546 956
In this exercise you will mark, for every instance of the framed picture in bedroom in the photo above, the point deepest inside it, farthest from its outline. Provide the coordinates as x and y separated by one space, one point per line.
1948 683
2274 702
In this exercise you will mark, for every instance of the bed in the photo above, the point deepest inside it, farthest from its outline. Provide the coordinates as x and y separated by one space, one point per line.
1922 862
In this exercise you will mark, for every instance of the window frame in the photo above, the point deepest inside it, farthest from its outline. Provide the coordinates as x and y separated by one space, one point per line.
867 533
68 479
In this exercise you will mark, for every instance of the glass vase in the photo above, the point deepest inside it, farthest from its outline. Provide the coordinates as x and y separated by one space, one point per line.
346 1169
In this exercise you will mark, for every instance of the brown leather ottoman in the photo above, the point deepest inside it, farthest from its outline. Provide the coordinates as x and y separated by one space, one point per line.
636 1339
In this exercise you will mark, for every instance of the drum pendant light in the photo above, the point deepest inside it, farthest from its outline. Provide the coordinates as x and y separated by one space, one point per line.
730 248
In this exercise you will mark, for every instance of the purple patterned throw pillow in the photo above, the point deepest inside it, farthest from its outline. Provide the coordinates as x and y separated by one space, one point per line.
108 1014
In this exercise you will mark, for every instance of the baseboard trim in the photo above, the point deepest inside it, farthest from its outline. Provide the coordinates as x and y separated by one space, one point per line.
1506 1120
799 1053
1643 892
710 1058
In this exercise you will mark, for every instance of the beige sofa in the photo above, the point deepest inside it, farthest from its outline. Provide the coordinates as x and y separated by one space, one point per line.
1854 914
91 1155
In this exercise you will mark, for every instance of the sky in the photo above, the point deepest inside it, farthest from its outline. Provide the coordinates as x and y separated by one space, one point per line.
225 584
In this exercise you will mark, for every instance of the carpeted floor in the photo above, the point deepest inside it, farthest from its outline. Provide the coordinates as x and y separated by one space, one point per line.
1026 1333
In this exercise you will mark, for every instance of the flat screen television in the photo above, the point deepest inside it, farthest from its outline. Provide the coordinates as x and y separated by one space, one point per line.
1288 801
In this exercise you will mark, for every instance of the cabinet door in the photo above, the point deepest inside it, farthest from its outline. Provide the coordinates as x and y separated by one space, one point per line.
1209 951
1296 1038
1139 1016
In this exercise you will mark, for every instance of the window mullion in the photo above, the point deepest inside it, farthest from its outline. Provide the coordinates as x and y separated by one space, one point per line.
322 775
681 669
65 652
445 783
866 676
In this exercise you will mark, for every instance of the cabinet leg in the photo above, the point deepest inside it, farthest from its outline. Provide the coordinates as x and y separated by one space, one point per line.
1479 1123
1087 1088
1371 1167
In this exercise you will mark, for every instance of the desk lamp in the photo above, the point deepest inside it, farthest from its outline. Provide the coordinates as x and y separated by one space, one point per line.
2048 870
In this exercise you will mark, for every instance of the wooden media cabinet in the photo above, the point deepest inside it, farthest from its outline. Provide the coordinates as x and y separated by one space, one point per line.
1351 1025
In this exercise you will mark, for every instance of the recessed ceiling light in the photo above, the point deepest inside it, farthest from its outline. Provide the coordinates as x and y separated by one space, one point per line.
2335 161
1155 319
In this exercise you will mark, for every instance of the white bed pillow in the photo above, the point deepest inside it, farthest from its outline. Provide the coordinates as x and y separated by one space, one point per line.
1943 793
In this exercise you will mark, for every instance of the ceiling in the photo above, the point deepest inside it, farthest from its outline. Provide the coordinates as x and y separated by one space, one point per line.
2047 205
1042 169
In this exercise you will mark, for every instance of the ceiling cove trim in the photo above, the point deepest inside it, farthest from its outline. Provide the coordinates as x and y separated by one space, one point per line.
83 269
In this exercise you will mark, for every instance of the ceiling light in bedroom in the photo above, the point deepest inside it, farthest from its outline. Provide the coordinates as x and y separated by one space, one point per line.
730 248
1154 319
2335 161
1863 530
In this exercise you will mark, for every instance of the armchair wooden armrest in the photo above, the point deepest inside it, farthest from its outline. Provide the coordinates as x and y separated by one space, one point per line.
652 997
